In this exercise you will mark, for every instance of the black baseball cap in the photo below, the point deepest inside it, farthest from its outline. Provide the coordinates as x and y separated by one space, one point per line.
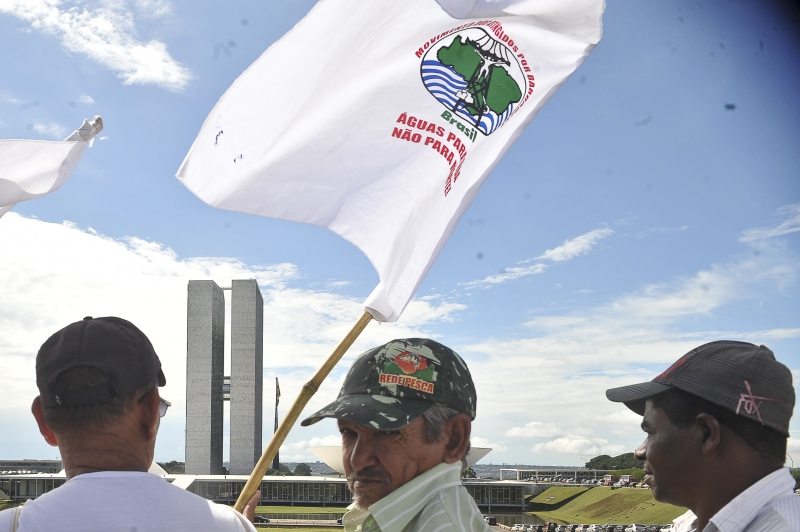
391 385
112 345
738 376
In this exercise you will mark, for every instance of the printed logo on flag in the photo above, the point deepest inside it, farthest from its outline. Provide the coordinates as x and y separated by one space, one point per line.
399 370
476 77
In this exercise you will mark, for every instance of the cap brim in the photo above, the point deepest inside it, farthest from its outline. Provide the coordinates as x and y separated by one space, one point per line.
635 395
375 411
162 380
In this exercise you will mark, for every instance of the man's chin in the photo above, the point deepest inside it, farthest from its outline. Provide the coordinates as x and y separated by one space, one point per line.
364 501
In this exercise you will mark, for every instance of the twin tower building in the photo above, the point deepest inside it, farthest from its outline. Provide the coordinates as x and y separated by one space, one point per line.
207 387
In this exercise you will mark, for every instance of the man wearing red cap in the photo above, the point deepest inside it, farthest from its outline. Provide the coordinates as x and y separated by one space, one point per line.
717 423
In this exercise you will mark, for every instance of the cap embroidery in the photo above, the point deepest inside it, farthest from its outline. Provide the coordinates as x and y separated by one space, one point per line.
410 362
672 368
399 369
752 402
408 382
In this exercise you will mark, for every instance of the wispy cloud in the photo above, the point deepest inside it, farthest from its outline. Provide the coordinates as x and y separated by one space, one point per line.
790 225
484 442
570 249
662 230
51 130
579 445
107 35
86 100
154 8
580 245
325 441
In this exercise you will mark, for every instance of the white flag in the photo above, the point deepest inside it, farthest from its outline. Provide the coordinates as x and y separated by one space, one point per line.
380 120
34 168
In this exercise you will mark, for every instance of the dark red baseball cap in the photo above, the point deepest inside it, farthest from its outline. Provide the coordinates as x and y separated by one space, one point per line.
738 376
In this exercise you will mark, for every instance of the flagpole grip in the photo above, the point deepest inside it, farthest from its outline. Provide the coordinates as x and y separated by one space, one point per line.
308 390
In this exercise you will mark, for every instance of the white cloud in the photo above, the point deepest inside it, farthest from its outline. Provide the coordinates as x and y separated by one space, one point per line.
86 100
577 246
508 274
51 130
793 446
790 225
570 249
579 446
535 429
154 8
483 442
105 34
326 441
55 274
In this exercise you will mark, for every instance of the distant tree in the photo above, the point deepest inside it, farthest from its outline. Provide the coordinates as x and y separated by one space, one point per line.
284 470
302 469
623 461
469 473
173 467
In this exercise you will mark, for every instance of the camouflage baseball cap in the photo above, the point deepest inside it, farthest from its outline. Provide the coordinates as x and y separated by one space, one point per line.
390 386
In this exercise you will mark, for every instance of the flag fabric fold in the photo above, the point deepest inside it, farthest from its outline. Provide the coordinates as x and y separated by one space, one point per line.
34 168
380 120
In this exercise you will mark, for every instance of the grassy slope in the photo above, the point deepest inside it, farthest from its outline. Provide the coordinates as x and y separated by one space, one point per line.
604 505
558 494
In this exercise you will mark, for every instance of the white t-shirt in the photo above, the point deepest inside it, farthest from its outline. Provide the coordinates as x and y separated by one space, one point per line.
121 501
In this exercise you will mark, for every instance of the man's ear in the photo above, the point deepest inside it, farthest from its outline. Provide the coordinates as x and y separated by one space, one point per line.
149 414
711 434
458 429
44 428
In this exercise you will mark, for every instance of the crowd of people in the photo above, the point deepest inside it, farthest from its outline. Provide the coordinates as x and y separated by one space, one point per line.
716 425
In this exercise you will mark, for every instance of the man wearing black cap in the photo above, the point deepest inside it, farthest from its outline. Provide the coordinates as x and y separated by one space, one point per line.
717 424
405 413
99 403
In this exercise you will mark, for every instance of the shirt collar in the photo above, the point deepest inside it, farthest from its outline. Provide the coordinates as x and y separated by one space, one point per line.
396 510
738 513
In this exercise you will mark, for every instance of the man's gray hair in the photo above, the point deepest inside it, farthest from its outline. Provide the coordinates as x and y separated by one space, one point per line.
435 418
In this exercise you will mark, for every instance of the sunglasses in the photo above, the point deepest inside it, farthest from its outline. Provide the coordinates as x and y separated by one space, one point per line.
162 407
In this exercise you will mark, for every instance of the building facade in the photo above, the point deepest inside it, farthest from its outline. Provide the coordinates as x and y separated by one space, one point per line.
247 377
207 387
205 343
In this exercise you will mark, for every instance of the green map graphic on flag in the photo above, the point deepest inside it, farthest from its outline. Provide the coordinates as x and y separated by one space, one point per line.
475 76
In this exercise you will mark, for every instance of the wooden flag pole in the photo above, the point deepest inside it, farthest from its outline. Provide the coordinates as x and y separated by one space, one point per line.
309 389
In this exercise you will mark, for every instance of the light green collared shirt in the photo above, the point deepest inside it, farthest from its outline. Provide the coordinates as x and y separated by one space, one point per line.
435 501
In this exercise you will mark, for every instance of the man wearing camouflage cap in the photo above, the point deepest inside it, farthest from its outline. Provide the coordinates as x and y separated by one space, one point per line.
717 424
405 413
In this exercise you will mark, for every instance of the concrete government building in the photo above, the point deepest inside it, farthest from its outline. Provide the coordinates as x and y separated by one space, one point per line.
207 387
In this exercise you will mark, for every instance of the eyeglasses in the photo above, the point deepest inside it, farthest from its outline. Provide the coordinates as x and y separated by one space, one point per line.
162 407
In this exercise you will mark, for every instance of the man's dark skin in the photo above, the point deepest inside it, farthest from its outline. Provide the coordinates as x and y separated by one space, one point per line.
701 467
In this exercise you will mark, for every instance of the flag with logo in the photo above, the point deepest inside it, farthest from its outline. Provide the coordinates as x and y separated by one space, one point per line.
34 168
380 120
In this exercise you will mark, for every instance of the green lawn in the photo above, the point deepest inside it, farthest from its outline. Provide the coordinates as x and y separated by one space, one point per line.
604 505
556 496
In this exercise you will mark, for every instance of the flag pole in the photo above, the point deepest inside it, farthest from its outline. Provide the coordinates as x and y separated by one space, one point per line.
308 390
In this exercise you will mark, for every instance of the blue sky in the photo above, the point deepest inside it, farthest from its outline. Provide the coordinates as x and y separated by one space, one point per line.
652 205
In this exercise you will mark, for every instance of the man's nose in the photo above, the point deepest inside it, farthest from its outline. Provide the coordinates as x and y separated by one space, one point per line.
641 453
362 455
